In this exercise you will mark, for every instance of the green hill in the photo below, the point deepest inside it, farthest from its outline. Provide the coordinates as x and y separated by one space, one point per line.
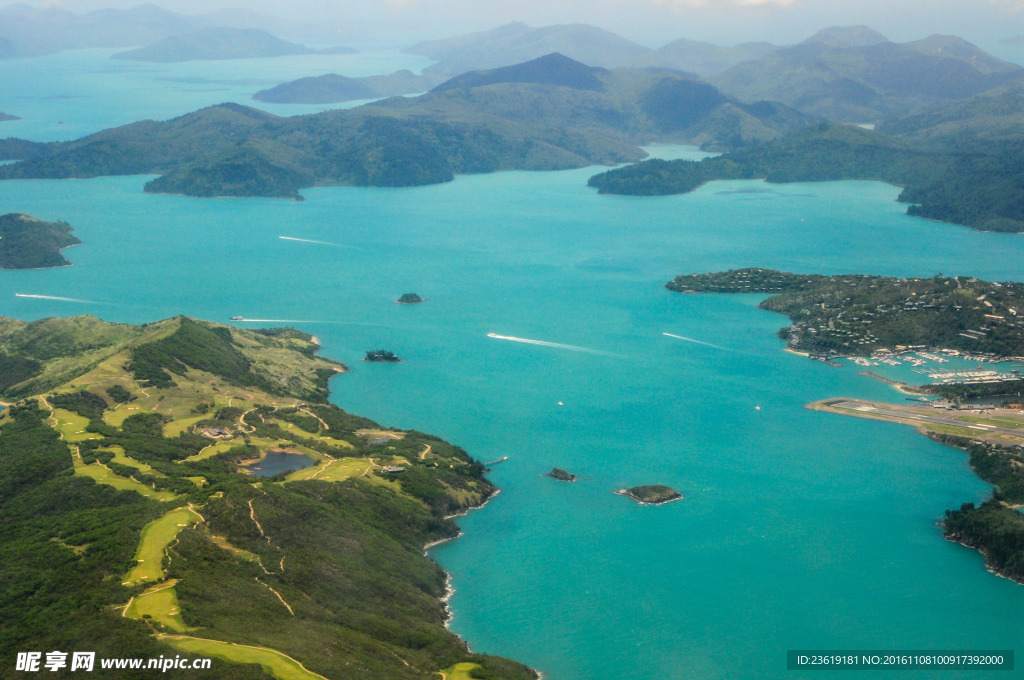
332 88
214 44
990 123
551 69
130 527
28 243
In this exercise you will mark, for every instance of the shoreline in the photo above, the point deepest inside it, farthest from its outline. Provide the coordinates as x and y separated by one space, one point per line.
901 387
984 553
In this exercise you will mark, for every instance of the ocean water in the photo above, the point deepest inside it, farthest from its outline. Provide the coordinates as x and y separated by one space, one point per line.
798 529
71 94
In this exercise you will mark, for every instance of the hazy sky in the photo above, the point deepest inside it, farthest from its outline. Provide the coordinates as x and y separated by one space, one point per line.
652 22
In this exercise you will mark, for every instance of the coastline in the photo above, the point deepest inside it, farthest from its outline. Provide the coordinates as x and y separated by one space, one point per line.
901 387
984 553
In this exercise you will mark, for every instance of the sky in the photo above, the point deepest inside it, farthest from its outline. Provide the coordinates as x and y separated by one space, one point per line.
650 22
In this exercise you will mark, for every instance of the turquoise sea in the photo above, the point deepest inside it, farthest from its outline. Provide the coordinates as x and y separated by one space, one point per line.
798 529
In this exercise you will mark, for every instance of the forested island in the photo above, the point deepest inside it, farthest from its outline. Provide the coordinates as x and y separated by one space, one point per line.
979 190
854 315
409 299
655 494
382 355
29 243
549 114
127 529
214 44
561 475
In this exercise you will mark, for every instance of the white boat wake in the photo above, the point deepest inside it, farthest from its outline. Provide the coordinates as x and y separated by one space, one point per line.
321 243
55 297
696 342
545 343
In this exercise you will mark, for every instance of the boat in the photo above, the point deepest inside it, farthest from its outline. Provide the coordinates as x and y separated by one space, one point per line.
238 318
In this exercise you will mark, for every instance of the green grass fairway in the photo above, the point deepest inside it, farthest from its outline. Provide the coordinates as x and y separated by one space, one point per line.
277 664
116 416
160 603
333 471
156 536
176 427
104 475
121 459
459 671
72 426
212 450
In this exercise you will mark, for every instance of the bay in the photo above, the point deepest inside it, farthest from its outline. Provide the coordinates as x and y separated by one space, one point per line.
798 529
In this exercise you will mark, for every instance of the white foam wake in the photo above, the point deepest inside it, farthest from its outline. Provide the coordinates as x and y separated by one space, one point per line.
545 343
54 297
696 342
279 320
321 243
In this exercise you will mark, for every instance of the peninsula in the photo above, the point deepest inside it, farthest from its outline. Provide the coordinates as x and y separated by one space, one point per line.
976 190
855 315
28 243
124 506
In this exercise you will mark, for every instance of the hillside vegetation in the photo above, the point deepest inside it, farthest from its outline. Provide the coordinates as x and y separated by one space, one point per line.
28 243
128 524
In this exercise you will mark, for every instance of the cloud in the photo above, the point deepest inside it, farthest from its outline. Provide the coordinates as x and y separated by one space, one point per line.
680 5
1011 6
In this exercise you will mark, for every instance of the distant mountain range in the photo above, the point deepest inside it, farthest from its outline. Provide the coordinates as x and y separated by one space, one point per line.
516 42
546 114
26 31
218 43
848 80
990 123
